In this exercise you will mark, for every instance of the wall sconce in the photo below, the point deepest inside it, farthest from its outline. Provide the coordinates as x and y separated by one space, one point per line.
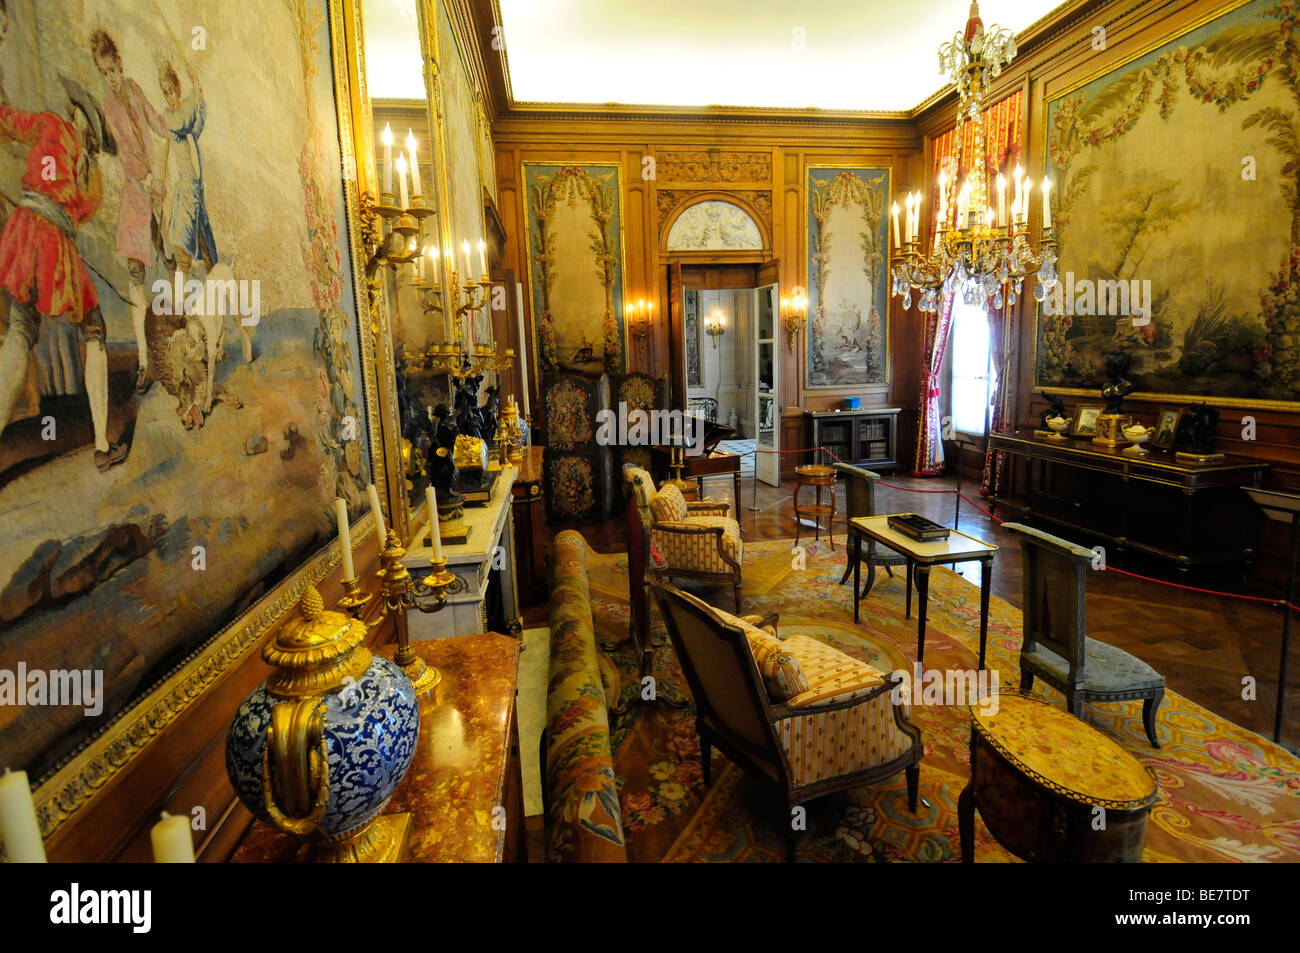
794 313
715 324
640 318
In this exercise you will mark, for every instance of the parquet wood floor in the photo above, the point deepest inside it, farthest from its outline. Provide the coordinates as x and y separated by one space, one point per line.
1204 645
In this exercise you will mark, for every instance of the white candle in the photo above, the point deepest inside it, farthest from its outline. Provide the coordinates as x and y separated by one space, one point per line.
379 513
387 138
401 181
345 537
435 531
171 840
1002 202
433 265
482 260
1047 203
1024 201
415 165
916 216
18 824
897 241
943 197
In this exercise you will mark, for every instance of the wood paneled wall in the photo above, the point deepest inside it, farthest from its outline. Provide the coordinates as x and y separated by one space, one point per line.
771 155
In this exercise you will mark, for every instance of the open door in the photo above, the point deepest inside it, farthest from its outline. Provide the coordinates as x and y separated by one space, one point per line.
767 363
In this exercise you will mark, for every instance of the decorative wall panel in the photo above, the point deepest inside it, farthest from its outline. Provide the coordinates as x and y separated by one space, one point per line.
848 314
1178 174
140 520
714 226
575 265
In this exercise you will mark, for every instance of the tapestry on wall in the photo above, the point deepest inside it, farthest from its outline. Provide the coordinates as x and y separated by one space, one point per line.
575 267
847 245
179 373
1201 237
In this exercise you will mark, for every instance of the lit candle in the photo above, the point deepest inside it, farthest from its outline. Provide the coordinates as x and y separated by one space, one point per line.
631 314
387 138
401 180
650 313
415 166
435 531
482 260
916 216
379 513
345 537
1047 203
1002 202
468 269
897 241
171 840
18 824
943 197
433 265
1024 201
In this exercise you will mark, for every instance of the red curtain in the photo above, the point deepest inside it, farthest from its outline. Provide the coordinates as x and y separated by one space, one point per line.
929 436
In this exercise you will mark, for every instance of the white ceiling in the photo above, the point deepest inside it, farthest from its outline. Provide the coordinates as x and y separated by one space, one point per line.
856 55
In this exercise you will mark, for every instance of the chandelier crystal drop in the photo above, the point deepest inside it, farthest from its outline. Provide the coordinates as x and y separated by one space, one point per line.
980 246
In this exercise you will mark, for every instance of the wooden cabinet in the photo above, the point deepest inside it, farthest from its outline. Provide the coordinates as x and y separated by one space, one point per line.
530 529
864 438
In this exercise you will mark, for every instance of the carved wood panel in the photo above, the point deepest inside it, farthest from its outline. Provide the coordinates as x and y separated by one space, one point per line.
714 166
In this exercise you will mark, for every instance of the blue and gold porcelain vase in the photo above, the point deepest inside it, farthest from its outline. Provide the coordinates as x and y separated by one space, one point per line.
319 748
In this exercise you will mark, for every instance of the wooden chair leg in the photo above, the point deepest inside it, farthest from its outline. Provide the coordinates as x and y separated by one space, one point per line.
1149 707
913 774
848 565
1026 679
966 823
1075 705
736 593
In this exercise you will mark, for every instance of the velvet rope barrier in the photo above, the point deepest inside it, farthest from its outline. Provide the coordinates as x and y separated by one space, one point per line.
1280 603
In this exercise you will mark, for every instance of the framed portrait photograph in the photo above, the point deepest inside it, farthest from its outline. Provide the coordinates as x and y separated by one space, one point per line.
1166 427
1085 420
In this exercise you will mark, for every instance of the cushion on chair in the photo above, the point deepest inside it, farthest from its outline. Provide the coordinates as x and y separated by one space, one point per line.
669 504
1105 669
731 544
781 673
832 675
826 744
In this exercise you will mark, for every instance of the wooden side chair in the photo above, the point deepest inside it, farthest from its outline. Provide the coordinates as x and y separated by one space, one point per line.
800 717
1056 645
860 500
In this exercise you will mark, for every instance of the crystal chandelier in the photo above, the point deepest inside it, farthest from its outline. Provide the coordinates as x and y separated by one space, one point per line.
980 247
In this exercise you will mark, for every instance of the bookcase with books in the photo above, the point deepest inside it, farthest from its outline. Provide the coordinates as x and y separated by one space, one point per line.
865 438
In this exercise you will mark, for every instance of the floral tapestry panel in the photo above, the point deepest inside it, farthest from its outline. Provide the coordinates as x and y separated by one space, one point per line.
848 297
1178 214
575 267
569 416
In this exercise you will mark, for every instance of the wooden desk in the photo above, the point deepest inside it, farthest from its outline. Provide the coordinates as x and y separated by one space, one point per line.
1038 776
921 556
465 774
1133 501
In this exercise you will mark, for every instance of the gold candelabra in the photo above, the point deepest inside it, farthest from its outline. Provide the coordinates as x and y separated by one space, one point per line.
401 592
714 325
640 326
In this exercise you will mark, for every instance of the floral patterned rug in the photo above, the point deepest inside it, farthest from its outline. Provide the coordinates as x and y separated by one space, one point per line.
1226 794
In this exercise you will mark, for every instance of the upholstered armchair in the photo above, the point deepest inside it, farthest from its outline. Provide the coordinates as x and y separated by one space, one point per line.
801 717
670 537
1056 647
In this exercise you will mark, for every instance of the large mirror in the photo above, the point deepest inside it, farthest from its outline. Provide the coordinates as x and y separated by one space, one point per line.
432 139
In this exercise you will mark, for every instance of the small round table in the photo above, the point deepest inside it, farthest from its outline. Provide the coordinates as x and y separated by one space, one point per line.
815 475
1050 787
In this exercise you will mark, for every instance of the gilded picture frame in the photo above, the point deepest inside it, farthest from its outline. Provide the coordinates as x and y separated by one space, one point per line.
75 781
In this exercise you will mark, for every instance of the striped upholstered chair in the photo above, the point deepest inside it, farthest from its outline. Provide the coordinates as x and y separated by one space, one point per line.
696 540
799 716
